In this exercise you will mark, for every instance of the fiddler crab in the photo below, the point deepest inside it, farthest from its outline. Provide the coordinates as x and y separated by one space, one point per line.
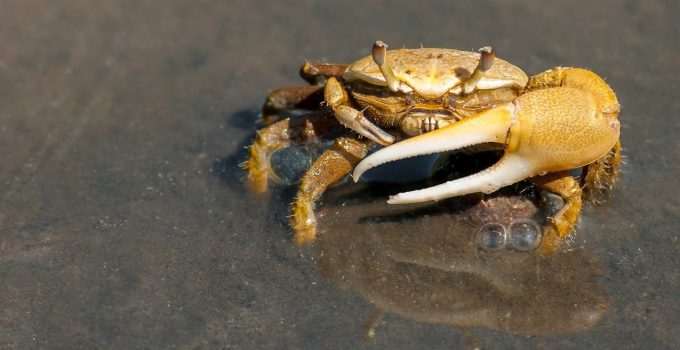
429 100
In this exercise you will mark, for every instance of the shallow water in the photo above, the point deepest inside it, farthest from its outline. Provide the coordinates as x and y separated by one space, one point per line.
124 221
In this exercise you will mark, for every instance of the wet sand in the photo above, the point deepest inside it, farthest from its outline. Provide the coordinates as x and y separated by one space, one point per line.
124 222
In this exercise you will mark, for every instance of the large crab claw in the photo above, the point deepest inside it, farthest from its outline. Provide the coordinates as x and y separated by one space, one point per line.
543 131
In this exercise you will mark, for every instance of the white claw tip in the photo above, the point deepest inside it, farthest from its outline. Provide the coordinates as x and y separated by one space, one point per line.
399 198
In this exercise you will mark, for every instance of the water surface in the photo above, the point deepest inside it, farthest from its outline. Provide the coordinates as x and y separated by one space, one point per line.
124 222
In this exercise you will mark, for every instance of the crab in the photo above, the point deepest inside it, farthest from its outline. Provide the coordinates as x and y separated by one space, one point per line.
430 100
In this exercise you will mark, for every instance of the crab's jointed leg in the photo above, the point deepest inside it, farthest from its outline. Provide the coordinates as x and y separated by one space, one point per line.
561 223
294 130
317 73
334 163
305 97
337 99
601 176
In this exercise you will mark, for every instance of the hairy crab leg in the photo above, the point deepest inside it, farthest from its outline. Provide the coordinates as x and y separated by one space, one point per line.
561 223
294 130
331 166
601 176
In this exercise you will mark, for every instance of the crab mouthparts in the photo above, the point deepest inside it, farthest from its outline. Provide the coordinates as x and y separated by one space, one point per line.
424 112
419 121
492 126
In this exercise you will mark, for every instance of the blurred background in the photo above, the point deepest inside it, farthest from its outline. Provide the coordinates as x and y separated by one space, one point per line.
124 222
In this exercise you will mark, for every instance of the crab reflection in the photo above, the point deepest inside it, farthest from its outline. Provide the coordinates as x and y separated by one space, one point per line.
425 263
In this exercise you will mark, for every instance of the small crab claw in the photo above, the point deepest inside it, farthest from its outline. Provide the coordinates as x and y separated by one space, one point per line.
543 131
356 121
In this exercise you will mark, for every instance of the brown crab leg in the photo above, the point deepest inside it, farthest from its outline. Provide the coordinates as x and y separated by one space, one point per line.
294 130
308 97
331 166
599 177
303 97
317 73
562 223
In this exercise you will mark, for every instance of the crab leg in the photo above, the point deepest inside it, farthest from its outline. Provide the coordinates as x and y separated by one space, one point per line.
601 176
544 131
564 185
294 130
302 97
317 73
306 97
331 166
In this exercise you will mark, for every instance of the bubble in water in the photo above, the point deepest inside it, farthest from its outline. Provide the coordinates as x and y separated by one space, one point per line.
524 235
491 236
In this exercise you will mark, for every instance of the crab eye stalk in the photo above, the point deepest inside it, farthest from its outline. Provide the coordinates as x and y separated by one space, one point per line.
487 55
379 54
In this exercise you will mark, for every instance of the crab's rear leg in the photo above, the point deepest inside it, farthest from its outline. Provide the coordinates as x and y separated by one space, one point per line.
331 166
305 97
601 176
318 73
597 178
563 221
295 130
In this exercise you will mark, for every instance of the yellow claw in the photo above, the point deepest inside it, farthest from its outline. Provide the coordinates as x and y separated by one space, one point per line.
545 131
